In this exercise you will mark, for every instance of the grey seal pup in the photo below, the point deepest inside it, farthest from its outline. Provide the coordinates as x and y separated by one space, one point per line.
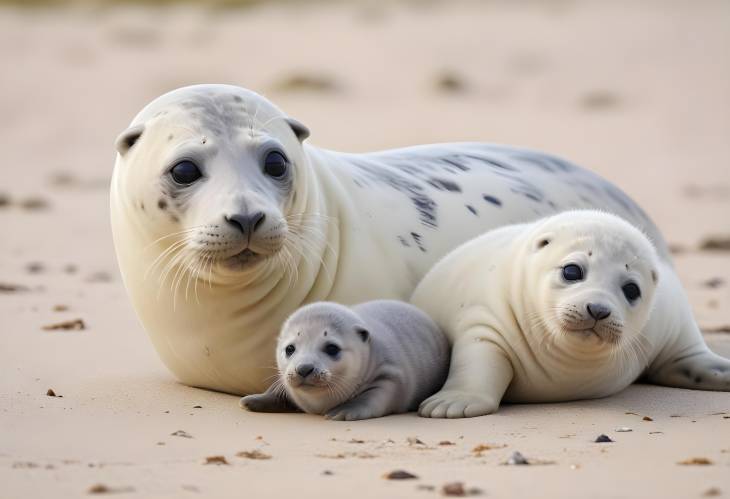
377 358
578 305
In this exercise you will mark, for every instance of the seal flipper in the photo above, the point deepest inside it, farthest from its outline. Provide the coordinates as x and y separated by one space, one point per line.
696 369
274 399
479 374
684 361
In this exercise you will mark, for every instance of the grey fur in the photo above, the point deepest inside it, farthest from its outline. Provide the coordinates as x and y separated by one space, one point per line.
401 359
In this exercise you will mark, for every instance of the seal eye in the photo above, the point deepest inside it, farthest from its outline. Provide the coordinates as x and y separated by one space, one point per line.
289 350
275 164
332 350
631 292
572 272
185 173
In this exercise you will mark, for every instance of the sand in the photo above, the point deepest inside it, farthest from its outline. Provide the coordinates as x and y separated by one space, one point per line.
637 91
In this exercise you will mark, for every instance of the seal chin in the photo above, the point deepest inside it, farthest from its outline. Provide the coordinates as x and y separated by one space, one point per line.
602 334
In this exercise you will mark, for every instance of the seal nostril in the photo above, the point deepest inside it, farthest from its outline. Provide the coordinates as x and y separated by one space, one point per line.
305 370
598 311
257 219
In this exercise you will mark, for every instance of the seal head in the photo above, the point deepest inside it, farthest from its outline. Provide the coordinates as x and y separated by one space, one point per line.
323 356
589 277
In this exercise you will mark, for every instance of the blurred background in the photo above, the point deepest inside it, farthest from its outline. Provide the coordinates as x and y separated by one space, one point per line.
638 91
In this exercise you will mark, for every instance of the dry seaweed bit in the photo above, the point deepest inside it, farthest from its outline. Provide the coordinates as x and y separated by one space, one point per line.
485 447
60 308
99 488
197 407
400 475
517 459
181 433
253 454
696 461
72 325
215 460
356 441
446 442
12 288
716 243
34 204
602 439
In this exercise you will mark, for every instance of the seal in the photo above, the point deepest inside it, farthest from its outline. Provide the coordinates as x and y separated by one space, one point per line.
226 220
577 305
377 358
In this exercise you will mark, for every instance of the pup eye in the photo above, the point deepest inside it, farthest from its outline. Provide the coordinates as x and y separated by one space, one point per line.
185 173
275 164
331 349
631 291
572 272
289 350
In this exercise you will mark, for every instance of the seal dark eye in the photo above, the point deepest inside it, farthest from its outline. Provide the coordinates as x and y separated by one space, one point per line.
572 272
631 292
332 350
185 173
275 164
289 350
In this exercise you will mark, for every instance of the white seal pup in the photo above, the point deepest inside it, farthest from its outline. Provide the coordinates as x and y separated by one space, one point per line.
225 222
374 359
577 305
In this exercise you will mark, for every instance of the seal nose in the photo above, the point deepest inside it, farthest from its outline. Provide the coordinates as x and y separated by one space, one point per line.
305 370
598 311
247 224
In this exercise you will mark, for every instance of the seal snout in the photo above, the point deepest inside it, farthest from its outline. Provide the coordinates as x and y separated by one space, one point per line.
598 311
304 370
246 224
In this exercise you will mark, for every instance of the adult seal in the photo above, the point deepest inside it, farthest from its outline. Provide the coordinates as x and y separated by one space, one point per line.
577 305
376 358
225 222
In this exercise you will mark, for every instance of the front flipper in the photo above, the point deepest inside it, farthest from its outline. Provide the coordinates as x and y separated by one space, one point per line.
697 369
479 374
274 399
374 402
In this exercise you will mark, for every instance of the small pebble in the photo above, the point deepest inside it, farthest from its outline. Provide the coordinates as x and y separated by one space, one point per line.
197 407
35 267
600 439
51 393
60 308
517 459
399 475
623 429
181 433
454 489
33 204
712 492
327 473
647 418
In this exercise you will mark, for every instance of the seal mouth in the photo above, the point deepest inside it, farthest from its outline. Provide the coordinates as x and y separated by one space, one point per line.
243 259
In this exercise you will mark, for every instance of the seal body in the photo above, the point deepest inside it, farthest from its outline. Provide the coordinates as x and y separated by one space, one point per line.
376 358
573 306
219 239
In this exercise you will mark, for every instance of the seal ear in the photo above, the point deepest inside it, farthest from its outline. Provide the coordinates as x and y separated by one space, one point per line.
542 241
362 333
301 131
128 138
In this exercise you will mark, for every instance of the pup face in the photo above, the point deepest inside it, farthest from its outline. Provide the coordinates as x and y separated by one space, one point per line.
322 355
596 279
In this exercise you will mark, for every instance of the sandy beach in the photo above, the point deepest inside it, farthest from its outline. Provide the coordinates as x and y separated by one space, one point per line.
639 92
